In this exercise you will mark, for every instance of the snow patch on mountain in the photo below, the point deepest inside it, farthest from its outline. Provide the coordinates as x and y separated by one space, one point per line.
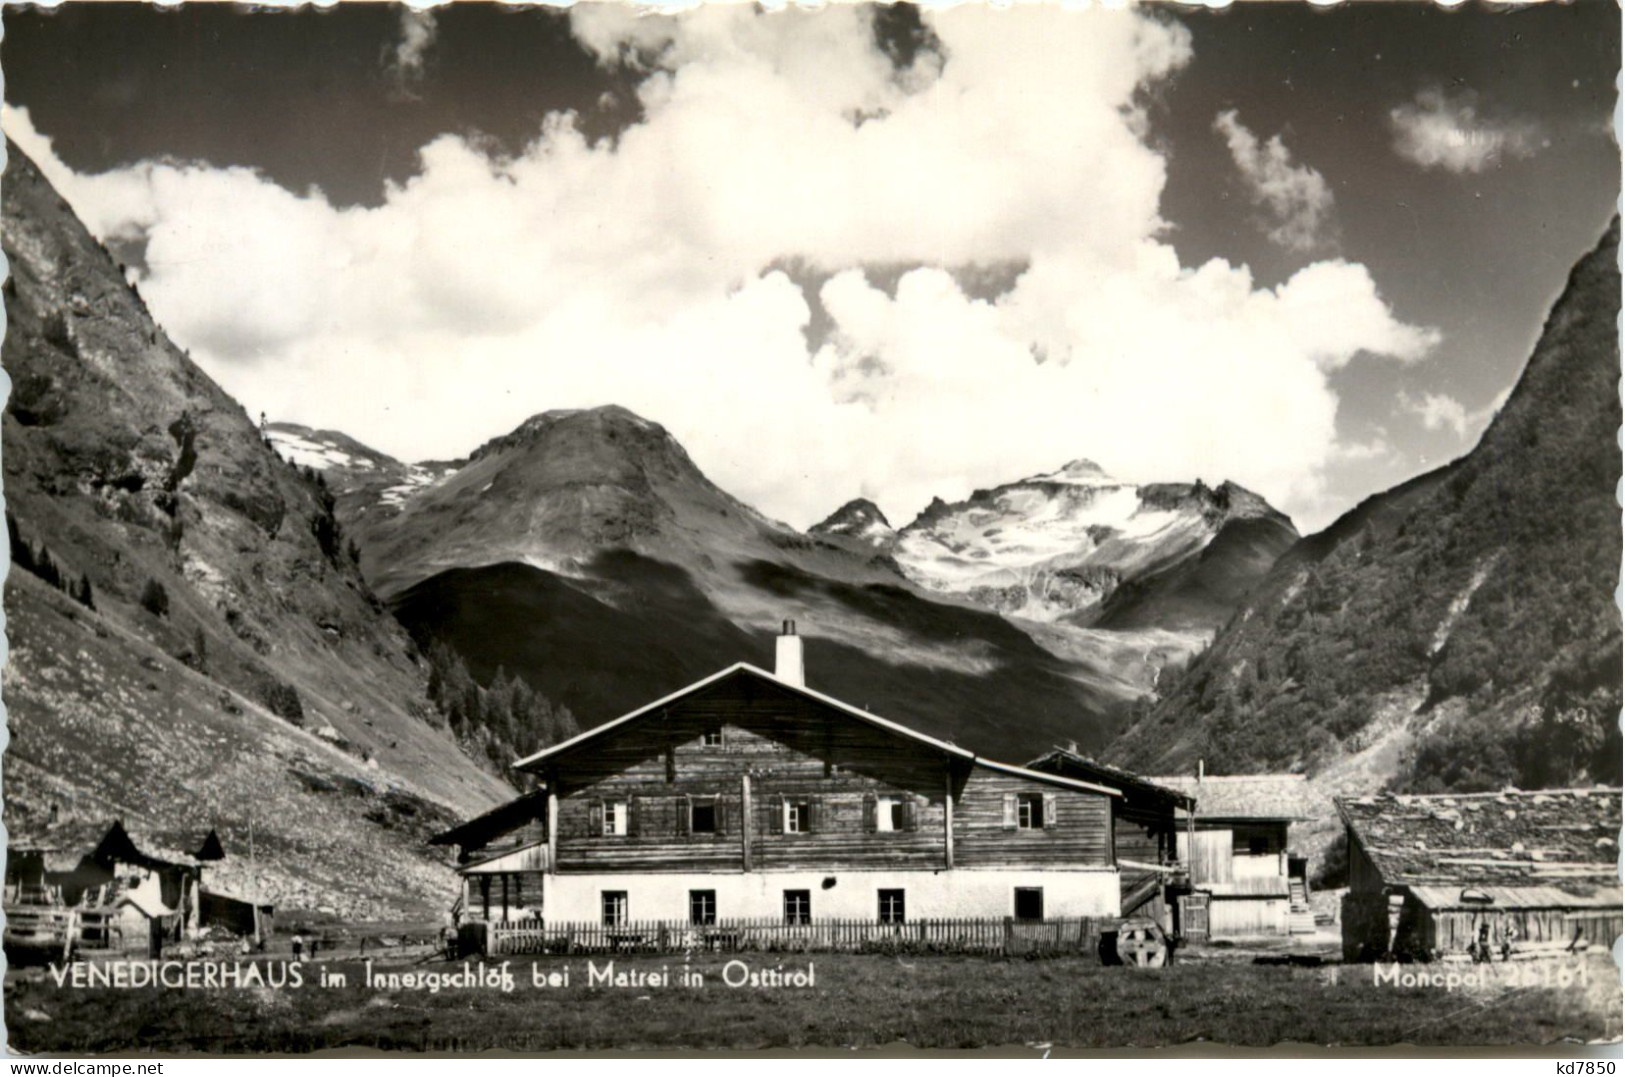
307 452
416 478
1058 545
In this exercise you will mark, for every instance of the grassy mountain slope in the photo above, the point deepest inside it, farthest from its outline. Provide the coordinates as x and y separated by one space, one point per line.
630 629
1456 632
209 560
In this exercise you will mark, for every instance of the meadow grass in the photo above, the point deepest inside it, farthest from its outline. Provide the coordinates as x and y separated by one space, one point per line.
857 1001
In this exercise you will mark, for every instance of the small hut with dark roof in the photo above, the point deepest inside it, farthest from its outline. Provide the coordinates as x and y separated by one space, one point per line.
211 848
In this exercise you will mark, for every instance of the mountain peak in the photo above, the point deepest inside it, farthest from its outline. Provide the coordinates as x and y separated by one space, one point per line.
859 518
605 425
1079 472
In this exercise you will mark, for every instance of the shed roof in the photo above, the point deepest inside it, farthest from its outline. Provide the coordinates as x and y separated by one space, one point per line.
1565 838
496 822
1442 898
1068 762
147 902
1245 797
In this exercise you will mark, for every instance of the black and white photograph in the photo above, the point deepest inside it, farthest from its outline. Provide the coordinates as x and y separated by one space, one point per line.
1026 529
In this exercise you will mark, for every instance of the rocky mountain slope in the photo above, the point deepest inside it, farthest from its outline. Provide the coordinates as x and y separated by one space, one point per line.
193 646
1456 632
369 486
632 574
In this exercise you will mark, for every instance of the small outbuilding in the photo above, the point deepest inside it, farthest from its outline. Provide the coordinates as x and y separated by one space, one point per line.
1246 879
501 860
1149 824
1523 872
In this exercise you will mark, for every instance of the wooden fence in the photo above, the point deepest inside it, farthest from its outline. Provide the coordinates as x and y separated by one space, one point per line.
983 936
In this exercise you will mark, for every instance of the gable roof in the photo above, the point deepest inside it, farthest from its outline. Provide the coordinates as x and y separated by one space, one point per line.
746 669
211 849
1066 762
1567 838
1245 797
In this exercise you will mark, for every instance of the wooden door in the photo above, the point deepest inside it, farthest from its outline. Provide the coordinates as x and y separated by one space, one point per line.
1193 916
1210 857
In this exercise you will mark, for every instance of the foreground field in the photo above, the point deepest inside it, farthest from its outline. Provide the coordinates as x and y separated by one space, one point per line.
862 1001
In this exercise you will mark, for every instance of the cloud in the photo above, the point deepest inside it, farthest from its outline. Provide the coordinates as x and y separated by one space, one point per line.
642 272
1377 447
1440 411
404 62
1438 130
1295 199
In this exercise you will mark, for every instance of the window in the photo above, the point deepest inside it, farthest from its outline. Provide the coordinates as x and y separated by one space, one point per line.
702 817
798 906
712 738
891 906
1029 903
1029 811
890 814
1258 844
615 818
702 907
797 817
614 908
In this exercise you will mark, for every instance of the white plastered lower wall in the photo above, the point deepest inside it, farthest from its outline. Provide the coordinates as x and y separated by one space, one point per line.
945 894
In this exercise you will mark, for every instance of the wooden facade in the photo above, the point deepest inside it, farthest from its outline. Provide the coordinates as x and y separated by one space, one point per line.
1237 846
753 749
744 790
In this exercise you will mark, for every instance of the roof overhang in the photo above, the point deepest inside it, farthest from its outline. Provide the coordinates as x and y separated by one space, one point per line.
952 751
498 820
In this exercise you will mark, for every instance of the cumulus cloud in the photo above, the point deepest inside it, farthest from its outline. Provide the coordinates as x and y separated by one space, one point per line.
1439 130
644 272
404 61
1377 447
1295 199
1440 411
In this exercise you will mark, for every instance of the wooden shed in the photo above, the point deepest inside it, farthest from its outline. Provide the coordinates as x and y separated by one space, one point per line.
1533 870
1246 878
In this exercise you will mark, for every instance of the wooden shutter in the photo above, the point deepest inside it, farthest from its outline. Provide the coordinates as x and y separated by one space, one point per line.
634 816
778 813
595 818
685 810
813 814
1009 811
724 815
911 813
871 815
1049 810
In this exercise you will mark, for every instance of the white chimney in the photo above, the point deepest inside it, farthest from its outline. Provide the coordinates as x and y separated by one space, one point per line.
787 663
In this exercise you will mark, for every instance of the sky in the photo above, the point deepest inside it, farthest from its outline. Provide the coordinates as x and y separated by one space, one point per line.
856 251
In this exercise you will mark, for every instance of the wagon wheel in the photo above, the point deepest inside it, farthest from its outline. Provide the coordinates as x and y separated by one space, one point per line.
1142 944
